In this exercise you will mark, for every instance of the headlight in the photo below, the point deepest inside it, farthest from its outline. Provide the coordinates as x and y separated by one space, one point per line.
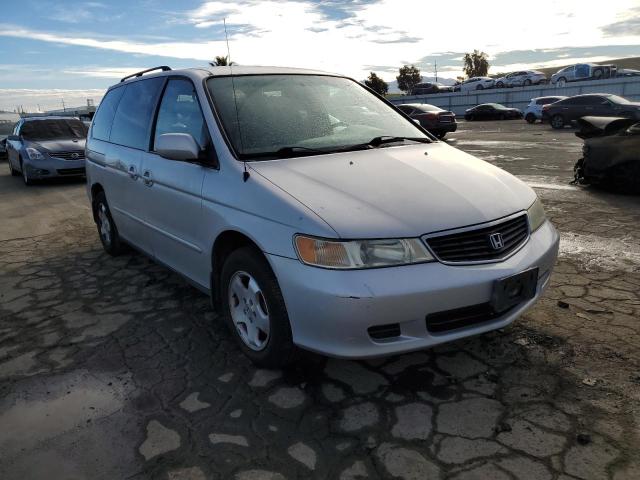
536 215
34 154
354 254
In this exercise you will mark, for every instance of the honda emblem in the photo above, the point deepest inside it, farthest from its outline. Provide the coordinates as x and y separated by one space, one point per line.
496 241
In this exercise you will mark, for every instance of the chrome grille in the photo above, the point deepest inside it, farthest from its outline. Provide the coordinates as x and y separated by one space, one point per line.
70 155
476 245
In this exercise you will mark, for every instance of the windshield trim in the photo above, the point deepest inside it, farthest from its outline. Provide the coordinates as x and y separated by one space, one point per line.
240 157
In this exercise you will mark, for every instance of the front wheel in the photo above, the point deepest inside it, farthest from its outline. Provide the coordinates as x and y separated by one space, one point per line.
527 82
530 118
479 87
561 82
440 135
254 309
13 171
557 121
106 227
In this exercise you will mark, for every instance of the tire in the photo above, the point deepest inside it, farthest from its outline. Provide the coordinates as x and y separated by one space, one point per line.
557 121
598 74
13 171
440 135
527 83
107 229
28 181
261 328
561 82
502 116
499 85
530 118
479 87
469 118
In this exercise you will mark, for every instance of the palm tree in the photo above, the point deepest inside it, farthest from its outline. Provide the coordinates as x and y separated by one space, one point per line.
221 62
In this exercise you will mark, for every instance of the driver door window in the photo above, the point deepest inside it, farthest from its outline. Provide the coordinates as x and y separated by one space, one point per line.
180 112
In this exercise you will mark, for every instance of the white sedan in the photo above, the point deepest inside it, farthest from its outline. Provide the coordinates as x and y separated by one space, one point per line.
475 83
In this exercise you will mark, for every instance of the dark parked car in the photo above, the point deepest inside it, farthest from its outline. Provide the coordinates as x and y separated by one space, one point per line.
429 88
492 111
595 104
47 147
6 127
434 119
611 153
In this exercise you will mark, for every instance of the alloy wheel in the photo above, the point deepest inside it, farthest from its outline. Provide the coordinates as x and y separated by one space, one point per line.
104 224
249 311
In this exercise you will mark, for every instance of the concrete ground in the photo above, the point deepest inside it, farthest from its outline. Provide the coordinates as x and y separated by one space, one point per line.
116 368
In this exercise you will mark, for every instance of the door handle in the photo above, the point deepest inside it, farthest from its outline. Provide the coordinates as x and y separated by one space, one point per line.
132 172
146 178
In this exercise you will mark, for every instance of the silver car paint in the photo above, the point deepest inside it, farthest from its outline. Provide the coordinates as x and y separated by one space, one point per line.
179 209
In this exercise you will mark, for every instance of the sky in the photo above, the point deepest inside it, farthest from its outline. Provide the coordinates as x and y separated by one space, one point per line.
52 51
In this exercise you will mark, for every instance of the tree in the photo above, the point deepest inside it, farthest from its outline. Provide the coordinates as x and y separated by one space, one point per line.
476 64
375 83
221 62
409 76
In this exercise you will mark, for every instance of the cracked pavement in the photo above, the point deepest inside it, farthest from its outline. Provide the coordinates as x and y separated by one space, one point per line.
117 368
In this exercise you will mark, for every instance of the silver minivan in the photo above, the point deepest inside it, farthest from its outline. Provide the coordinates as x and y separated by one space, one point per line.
315 214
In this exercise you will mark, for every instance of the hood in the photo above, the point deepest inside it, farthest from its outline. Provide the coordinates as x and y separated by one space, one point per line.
62 145
403 191
602 126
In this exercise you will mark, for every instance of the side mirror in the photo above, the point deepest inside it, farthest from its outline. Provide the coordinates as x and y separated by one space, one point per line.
177 146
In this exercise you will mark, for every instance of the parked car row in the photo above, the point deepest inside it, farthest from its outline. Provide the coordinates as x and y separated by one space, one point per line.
525 78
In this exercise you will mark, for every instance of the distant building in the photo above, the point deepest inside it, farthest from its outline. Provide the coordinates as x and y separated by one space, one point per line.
85 112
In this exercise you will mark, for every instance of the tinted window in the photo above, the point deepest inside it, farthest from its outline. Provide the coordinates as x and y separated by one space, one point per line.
104 116
180 112
546 101
592 100
407 110
429 108
53 129
573 101
133 116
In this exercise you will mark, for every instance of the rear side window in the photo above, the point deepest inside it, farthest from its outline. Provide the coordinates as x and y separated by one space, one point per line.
180 112
133 116
104 116
546 101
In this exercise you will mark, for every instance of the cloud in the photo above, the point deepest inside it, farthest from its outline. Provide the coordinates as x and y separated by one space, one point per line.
629 24
46 99
348 36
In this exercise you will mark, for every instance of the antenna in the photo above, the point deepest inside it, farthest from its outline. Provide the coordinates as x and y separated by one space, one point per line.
245 174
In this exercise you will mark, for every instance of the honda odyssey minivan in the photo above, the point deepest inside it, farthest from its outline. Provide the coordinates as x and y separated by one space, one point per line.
315 214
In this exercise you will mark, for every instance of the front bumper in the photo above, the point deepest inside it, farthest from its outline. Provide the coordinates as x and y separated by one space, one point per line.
50 167
331 310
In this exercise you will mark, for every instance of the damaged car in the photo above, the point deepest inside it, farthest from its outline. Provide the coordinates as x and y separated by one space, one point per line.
611 153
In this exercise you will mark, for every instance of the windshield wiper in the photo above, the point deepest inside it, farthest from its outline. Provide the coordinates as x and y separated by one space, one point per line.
381 140
293 150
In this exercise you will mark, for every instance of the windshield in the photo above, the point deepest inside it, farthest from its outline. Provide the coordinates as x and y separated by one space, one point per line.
317 112
53 129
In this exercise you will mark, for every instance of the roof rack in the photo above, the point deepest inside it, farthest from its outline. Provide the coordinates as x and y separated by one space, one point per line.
164 68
